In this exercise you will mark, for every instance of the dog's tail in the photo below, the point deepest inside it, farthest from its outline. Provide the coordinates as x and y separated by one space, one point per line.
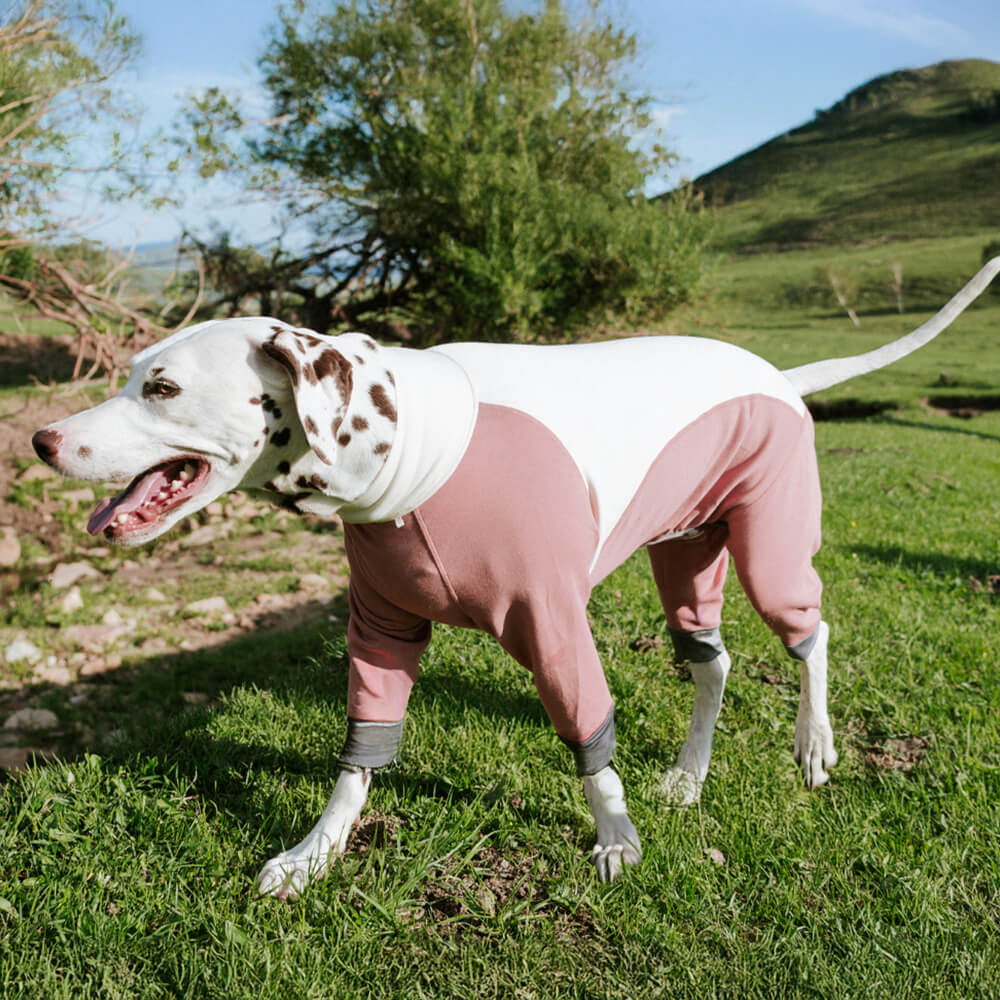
822 374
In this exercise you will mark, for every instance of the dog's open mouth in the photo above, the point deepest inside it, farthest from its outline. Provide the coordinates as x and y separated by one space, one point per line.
148 498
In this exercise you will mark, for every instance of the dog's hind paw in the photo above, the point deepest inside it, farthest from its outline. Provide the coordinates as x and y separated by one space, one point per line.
680 787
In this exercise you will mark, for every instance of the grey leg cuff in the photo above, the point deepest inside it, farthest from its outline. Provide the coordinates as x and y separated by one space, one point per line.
594 753
801 650
370 744
697 647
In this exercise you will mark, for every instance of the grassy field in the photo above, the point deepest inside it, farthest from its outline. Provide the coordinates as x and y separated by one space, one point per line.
130 873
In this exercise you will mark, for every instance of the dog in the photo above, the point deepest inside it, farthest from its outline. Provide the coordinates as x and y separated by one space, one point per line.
492 486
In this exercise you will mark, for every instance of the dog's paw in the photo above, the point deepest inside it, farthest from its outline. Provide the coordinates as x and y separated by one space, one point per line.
814 750
609 859
285 876
680 787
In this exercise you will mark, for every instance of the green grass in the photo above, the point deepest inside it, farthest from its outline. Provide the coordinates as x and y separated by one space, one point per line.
130 874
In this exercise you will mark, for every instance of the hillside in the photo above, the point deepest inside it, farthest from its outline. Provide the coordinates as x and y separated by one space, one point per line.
911 154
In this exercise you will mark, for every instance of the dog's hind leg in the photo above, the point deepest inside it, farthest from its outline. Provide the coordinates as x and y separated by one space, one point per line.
682 783
689 574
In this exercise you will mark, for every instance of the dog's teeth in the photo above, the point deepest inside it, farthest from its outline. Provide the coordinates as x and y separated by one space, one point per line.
187 472
176 484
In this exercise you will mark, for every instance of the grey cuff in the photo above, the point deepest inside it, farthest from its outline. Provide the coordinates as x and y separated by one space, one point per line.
697 647
594 753
370 744
801 650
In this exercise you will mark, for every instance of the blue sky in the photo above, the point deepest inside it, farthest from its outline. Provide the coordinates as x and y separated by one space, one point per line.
725 76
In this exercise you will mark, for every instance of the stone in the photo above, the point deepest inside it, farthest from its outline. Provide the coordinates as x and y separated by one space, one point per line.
72 601
10 547
53 673
208 607
113 618
37 472
32 718
313 581
154 595
66 574
14 759
92 637
76 497
22 649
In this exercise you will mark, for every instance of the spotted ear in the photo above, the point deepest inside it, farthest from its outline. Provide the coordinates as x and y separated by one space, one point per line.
345 397
322 382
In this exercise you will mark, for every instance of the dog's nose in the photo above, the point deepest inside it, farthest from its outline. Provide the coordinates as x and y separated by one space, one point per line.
46 443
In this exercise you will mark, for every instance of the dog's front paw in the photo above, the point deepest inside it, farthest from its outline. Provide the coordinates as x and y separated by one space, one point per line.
814 750
609 858
680 787
285 876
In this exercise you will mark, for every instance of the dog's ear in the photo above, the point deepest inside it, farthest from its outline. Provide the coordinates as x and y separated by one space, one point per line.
345 397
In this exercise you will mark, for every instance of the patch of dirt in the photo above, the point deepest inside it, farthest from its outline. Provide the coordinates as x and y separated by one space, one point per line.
847 409
962 407
890 753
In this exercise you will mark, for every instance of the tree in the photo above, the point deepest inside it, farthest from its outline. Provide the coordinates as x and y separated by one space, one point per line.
458 167
58 60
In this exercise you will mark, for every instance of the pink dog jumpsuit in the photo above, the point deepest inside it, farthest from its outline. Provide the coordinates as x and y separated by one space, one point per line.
512 544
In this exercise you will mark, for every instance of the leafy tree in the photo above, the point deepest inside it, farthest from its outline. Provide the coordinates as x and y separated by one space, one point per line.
61 126
57 61
458 167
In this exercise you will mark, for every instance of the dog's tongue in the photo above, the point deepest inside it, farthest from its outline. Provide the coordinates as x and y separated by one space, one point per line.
137 493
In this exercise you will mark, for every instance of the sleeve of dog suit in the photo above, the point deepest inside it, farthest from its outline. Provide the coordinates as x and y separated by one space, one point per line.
384 645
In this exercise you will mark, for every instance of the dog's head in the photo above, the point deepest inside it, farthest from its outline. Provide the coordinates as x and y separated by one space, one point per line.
229 404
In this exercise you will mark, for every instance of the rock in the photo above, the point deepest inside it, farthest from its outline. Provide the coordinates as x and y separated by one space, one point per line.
18 758
313 581
10 547
154 595
22 649
37 472
194 697
72 601
76 497
206 608
205 535
94 667
92 638
32 718
53 673
66 574
715 856
113 618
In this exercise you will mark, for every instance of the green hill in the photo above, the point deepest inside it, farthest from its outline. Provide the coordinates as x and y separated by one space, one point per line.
914 153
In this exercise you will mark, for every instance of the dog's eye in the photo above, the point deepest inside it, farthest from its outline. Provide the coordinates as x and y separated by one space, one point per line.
161 388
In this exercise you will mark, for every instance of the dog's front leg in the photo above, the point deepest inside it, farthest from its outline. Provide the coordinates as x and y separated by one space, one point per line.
291 871
814 751
617 839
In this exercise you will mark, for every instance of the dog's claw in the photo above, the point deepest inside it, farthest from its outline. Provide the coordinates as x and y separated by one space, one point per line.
609 860
814 750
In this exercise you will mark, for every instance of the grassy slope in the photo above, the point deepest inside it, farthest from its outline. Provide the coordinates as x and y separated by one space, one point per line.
899 157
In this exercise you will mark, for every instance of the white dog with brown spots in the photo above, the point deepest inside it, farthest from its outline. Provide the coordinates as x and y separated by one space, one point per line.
492 486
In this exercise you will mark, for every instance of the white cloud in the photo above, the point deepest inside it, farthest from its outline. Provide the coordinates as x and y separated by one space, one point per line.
896 21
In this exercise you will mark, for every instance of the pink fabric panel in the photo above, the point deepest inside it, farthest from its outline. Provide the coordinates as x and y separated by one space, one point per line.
384 645
690 574
514 534
746 469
